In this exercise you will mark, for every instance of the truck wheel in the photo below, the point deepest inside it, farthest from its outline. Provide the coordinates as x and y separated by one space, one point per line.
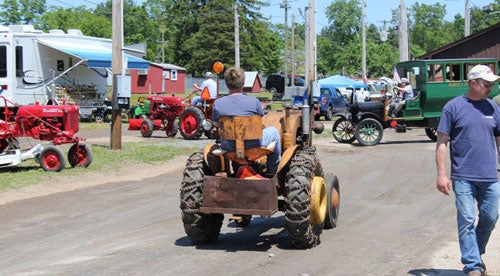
147 128
329 114
80 155
369 132
343 131
201 228
431 133
332 201
190 123
52 159
301 233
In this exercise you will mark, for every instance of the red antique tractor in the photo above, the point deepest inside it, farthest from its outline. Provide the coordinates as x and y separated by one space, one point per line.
55 123
197 120
157 113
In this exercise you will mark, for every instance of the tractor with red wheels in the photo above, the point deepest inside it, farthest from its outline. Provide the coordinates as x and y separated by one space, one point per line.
55 123
157 112
197 120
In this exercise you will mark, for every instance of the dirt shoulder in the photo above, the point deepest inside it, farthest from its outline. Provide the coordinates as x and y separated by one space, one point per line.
64 184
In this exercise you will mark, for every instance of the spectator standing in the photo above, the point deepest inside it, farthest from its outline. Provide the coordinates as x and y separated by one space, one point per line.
471 124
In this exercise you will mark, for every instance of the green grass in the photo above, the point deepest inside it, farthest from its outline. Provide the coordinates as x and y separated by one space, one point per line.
29 172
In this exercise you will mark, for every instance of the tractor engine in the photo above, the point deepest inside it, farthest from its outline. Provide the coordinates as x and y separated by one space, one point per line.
47 122
166 107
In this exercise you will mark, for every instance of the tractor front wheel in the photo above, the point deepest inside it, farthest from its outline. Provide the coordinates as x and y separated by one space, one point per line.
80 155
191 123
201 228
301 232
332 202
147 128
52 159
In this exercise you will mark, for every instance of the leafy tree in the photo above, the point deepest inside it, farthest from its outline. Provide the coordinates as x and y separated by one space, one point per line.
21 11
76 18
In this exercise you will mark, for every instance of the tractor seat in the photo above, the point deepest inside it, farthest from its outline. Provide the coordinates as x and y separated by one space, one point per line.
239 129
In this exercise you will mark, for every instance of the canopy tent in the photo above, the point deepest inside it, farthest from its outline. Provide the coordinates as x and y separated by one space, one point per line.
339 81
97 56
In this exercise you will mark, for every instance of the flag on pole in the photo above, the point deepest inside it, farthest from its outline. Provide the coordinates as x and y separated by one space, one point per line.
395 76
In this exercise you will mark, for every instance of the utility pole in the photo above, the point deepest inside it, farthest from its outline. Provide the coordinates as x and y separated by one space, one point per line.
363 33
307 30
467 18
292 78
236 36
285 6
403 33
117 65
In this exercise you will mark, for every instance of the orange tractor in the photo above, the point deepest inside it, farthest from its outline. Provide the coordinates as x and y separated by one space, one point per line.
213 186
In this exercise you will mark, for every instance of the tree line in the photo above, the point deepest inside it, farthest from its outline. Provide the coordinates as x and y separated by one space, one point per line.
195 34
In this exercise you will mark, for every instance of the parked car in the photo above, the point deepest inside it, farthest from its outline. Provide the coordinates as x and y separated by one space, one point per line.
275 83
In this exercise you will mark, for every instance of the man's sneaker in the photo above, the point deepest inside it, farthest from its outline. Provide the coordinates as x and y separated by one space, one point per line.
271 145
474 273
218 152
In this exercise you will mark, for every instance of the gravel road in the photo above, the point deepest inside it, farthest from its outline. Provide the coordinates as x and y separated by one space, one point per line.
392 221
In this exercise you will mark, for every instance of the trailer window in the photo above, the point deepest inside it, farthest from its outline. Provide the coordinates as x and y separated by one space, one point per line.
19 61
435 72
453 72
3 61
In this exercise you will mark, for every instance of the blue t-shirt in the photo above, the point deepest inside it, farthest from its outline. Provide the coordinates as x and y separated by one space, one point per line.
472 127
237 105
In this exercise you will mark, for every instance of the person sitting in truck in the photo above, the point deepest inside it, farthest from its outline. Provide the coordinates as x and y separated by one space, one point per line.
404 93
239 104
207 85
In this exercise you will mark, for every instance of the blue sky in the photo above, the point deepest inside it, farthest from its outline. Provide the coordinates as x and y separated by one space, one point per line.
376 10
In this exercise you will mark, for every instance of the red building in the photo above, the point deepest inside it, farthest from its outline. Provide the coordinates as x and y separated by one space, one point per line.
159 79
253 83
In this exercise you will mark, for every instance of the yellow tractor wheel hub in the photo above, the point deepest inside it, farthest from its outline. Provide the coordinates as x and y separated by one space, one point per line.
318 200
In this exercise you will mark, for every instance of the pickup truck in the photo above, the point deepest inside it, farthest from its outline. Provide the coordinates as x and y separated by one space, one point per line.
328 102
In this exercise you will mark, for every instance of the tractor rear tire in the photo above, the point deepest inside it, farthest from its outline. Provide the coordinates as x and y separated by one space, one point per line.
369 132
191 123
147 128
80 155
302 169
332 202
52 159
201 228
343 131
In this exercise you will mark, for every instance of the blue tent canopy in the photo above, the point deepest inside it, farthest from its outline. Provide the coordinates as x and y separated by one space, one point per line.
96 56
339 81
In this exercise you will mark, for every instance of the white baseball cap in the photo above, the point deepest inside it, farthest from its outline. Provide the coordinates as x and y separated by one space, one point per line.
404 80
482 72
208 74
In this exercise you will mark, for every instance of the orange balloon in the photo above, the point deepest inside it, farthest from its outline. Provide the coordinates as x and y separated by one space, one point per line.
218 67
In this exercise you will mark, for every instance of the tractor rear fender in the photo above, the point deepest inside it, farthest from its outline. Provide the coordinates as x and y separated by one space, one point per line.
286 157
216 164
289 128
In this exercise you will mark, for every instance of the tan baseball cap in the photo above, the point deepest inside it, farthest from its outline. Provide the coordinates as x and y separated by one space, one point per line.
482 72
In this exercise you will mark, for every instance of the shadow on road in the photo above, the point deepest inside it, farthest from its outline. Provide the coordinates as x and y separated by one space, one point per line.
253 237
436 272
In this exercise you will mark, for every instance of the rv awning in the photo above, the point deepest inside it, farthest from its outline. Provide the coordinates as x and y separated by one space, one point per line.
97 56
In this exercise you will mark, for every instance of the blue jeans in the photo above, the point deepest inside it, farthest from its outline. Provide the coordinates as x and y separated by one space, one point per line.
269 135
473 239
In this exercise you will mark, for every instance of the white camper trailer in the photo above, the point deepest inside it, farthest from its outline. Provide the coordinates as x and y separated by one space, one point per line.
56 66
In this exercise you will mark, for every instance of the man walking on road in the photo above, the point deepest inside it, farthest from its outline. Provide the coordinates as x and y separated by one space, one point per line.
471 123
